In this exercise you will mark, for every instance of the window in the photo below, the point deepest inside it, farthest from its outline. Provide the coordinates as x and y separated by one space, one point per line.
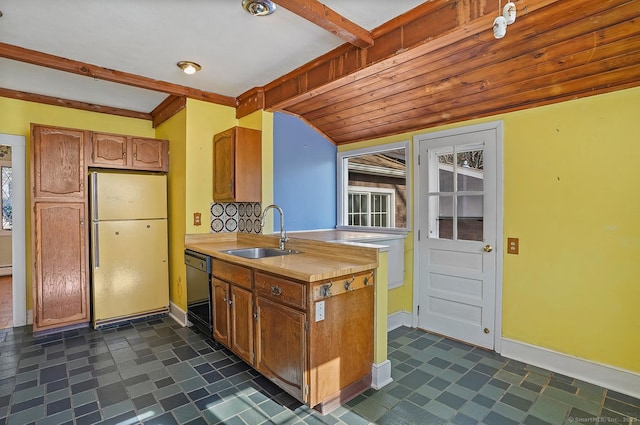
373 188
371 207
6 180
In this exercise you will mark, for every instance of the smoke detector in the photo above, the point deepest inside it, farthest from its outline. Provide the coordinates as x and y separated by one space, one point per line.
259 7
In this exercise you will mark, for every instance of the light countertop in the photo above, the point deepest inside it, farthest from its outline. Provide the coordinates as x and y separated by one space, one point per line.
318 259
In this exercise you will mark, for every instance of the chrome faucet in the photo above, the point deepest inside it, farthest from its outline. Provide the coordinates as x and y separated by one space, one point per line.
283 233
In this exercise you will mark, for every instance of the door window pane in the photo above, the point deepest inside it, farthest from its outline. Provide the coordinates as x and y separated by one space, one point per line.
470 217
6 181
470 173
442 227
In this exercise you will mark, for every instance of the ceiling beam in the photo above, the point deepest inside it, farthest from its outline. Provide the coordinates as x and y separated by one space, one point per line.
46 60
66 103
321 15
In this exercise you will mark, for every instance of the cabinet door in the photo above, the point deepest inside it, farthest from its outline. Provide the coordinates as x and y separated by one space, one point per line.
150 154
281 347
224 166
242 323
61 290
58 169
220 305
108 150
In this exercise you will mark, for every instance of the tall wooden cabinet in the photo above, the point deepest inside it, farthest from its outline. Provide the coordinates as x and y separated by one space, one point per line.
237 165
59 161
59 223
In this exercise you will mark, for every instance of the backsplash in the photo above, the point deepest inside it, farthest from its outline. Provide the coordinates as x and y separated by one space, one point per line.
241 217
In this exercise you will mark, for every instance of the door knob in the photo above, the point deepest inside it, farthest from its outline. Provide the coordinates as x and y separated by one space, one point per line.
487 248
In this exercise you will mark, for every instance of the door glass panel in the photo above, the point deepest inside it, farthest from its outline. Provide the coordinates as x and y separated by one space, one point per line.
470 175
442 226
456 196
470 216
444 182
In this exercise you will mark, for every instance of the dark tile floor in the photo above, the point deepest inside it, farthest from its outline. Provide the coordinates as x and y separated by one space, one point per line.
156 372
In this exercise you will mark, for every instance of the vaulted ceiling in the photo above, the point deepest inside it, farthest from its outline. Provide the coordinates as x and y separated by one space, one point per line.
434 64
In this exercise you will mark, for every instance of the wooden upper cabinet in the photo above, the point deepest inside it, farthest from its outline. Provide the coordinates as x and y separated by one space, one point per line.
108 150
61 296
126 152
58 169
237 165
150 154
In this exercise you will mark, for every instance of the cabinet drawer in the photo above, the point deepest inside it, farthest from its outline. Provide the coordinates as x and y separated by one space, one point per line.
238 275
285 291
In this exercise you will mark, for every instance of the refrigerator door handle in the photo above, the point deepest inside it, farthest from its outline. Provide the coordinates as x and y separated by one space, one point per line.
96 246
94 195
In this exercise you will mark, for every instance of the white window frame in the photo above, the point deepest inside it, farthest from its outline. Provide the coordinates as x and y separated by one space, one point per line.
343 186
374 191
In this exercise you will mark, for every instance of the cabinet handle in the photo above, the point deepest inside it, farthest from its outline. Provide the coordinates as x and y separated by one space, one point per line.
275 290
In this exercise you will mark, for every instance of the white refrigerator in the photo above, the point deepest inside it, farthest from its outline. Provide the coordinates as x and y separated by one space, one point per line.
129 246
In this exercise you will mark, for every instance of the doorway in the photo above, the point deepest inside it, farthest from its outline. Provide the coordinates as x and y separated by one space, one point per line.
458 264
18 242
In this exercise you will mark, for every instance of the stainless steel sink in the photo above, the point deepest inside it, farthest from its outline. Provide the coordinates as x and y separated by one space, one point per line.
260 252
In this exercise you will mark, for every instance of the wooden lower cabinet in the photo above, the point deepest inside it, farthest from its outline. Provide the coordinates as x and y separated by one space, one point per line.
281 346
233 310
242 323
221 313
60 290
270 322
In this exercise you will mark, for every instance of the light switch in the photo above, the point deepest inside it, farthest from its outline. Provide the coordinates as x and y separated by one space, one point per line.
197 219
513 245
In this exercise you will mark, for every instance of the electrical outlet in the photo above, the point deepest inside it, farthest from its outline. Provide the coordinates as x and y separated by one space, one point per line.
197 219
319 311
513 245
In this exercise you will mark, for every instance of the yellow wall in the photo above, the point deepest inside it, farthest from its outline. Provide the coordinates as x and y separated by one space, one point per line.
570 195
16 118
174 130
191 174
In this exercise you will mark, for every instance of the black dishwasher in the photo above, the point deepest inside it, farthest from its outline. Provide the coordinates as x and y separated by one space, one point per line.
199 291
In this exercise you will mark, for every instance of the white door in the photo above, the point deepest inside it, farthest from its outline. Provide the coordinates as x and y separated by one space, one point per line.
458 233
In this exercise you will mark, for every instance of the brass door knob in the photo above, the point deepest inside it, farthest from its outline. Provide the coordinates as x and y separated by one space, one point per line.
487 248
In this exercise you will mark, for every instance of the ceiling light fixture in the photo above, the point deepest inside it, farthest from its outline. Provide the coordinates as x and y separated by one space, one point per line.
189 67
259 7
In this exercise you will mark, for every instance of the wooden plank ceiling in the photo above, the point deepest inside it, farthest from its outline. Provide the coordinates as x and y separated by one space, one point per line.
437 64
440 64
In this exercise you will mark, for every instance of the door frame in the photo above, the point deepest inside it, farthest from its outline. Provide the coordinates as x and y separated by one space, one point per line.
419 220
18 239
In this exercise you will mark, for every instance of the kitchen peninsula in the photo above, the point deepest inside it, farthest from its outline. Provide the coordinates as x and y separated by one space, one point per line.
304 320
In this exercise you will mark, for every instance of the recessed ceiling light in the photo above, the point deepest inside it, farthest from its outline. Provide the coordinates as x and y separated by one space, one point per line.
189 67
259 7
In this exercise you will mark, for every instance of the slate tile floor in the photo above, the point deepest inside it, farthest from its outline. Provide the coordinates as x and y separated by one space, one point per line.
156 372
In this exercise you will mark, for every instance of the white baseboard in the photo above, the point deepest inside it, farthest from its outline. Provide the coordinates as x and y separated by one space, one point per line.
400 318
623 381
178 314
381 374
6 270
